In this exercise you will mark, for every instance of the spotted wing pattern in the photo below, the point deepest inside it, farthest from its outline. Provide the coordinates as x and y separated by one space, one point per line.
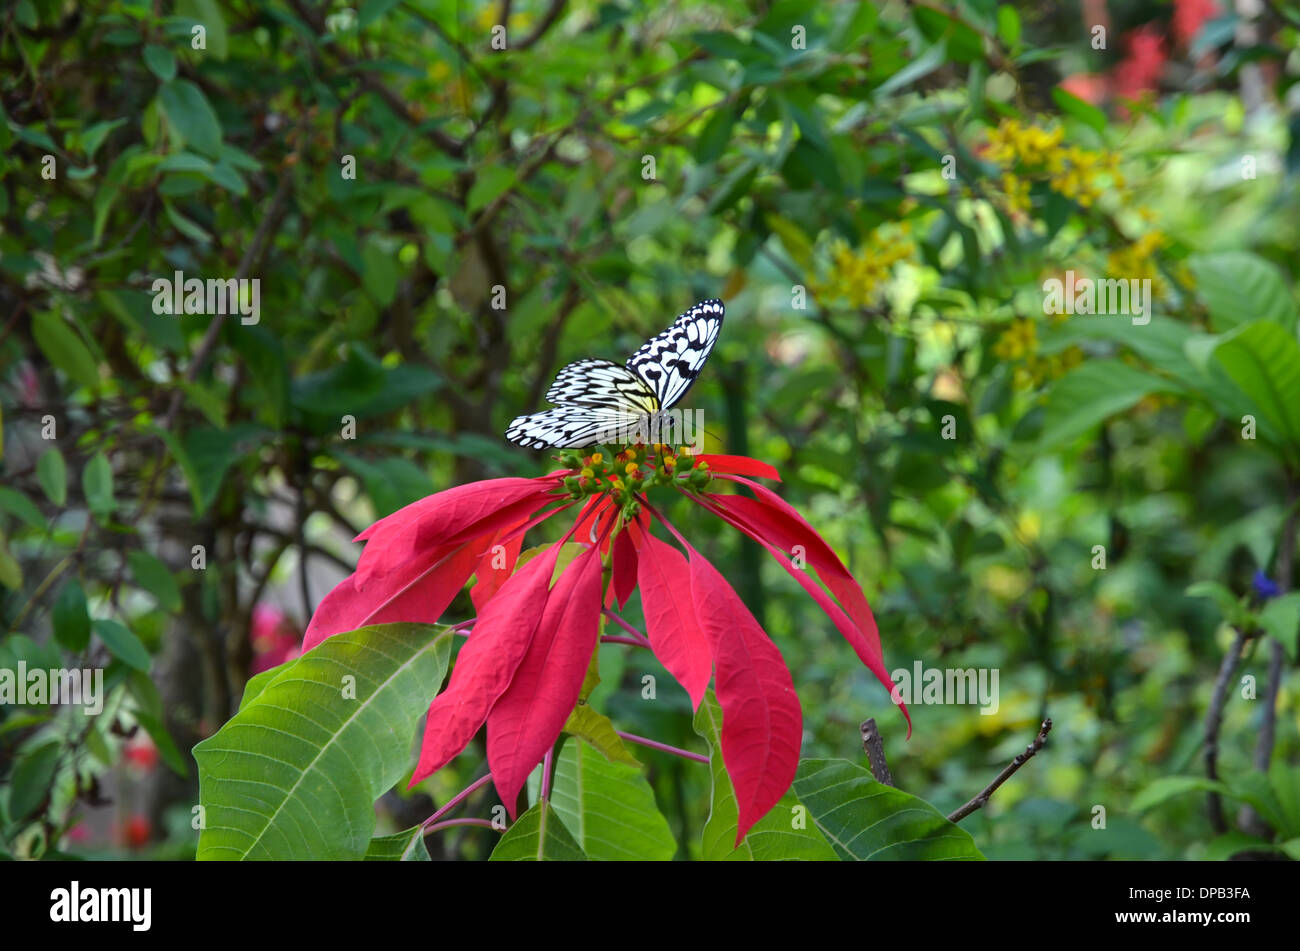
598 401
602 383
669 362
570 427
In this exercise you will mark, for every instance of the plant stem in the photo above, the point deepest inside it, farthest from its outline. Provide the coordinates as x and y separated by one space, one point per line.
1213 718
982 799
457 799
483 823
664 747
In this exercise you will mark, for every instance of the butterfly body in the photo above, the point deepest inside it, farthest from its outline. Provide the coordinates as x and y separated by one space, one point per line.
595 398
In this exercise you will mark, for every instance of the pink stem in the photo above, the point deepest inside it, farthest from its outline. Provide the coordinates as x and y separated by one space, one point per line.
546 776
484 823
656 745
645 641
618 639
457 799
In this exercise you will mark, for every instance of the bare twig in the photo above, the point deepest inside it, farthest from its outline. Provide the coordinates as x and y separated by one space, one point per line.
979 801
875 750
1213 719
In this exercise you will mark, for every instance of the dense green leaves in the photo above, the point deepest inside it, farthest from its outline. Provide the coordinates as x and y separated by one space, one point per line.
345 713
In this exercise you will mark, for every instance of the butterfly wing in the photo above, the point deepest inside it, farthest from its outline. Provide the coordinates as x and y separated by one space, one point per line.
604 384
568 427
669 362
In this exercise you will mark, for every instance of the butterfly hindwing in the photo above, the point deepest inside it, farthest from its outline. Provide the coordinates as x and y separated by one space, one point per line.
669 362
602 383
568 427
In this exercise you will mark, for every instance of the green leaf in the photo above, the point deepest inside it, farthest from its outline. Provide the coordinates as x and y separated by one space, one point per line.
1166 787
161 62
490 184
869 821
11 573
405 846
52 474
596 729
208 13
97 483
370 11
1263 359
716 133
609 807
121 643
1223 847
152 575
340 720
163 740
783 834
538 836
1008 25
32 778
1228 603
1090 393
71 617
1238 287
64 348
21 507
211 453
1085 112
921 66
1281 618
188 112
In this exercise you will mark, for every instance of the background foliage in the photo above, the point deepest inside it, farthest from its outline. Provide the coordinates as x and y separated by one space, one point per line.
1168 154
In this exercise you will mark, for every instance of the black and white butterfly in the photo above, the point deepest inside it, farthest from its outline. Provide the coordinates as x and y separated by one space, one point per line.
596 399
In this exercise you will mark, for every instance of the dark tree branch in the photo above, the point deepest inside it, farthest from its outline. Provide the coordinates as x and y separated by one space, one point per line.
979 801
875 750
1213 719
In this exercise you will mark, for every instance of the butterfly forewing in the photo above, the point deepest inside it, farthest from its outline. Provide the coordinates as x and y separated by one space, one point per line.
602 383
669 362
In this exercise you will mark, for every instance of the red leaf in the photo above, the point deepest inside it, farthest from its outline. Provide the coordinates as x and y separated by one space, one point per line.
775 525
623 567
486 663
762 723
496 566
418 589
445 518
740 465
527 718
586 528
676 636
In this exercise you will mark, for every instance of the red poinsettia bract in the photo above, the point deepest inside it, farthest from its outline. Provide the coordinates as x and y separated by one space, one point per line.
521 669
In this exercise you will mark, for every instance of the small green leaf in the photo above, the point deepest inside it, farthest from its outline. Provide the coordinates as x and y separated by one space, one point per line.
490 184
64 348
21 507
1091 393
32 778
97 483
596 729
121 643
538 836
188 112
1166 787
1281 618
1085 112
161 62
163 740
152 575
71 617
52 474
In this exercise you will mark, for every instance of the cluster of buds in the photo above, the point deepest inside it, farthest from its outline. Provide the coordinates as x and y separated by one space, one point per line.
626 473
